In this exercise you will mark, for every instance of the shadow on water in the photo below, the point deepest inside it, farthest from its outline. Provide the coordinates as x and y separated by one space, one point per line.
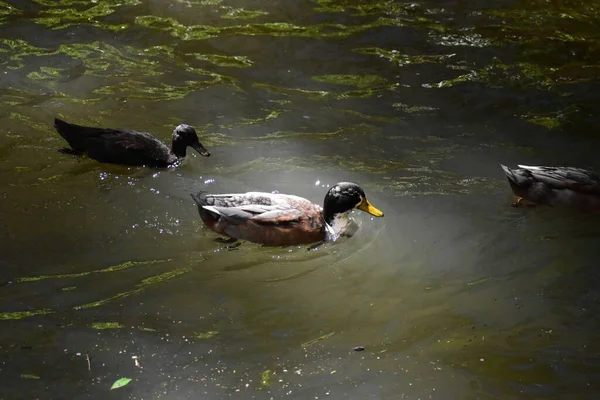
108 272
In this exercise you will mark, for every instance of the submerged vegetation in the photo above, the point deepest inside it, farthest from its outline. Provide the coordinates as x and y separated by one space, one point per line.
547 47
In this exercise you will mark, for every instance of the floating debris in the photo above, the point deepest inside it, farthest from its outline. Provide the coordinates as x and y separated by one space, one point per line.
311 342
120 383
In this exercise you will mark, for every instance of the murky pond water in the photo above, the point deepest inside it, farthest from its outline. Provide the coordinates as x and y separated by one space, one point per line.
107 272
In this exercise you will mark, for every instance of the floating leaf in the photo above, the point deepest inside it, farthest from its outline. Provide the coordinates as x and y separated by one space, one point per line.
120 383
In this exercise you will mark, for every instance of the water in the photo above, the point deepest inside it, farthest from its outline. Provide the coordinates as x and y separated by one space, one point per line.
108 272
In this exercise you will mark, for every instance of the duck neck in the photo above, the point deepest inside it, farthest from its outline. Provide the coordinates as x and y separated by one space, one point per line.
178 148
338 222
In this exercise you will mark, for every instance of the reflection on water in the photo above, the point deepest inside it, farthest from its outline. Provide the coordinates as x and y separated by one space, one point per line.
108 272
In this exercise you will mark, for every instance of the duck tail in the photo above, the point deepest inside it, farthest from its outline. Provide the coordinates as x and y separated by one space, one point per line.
507 171
65 129
61 125
200 198
67 132
518 177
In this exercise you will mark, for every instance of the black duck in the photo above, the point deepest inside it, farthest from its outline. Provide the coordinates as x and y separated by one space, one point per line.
128 147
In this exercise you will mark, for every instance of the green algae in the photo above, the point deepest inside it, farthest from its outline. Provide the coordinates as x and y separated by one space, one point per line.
401 59
138 288
205 335
201 32
6 10
16 315
323 94
316 340
29 376
360 81
225 61
106 325
62 14
362 8
112 268
242 13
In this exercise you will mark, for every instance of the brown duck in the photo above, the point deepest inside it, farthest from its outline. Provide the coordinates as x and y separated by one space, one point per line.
274 219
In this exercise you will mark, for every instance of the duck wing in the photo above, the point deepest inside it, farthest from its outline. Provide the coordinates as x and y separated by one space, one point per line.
266 218
259 213
576 179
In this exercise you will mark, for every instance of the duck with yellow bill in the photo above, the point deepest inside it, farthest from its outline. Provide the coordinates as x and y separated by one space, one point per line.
275 219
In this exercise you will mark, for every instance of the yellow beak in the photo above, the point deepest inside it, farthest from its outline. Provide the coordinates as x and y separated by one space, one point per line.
368 208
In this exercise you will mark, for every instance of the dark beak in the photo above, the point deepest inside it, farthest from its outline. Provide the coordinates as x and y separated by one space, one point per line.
200 149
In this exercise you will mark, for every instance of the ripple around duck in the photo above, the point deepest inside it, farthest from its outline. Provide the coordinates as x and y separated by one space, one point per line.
264 264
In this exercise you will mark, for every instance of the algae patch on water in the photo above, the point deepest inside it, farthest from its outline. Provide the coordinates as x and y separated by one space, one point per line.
402 59
313 341
205 335
225 61
112 268
29 376
16 315
106 325
360 81
138 288
62 14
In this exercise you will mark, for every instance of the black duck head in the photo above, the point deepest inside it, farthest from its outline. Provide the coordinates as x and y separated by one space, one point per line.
345 197
184 136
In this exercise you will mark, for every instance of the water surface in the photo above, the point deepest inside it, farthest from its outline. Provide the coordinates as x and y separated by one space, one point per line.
108 272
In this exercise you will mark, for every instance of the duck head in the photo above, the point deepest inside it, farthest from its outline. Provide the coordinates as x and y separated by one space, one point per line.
184 136
343 198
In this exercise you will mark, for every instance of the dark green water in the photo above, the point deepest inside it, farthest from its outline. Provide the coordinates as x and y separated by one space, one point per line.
454 295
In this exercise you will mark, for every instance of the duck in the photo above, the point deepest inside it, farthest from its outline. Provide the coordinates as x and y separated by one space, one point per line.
128 147
274 219
566 187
